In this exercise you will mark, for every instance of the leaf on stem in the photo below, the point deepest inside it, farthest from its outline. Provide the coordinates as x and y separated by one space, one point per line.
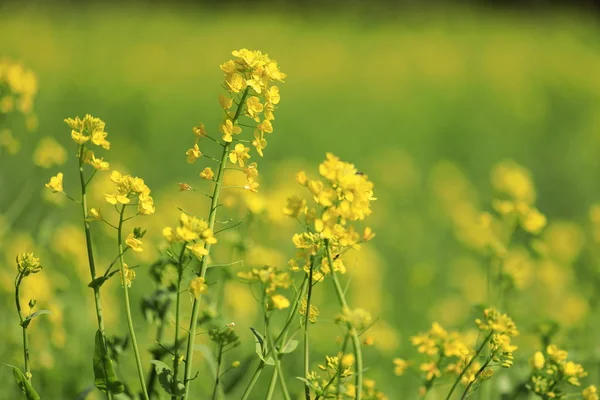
165 378
24 384
104 374
27 320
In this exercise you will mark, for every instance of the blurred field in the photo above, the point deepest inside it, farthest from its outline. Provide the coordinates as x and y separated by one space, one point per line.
425 104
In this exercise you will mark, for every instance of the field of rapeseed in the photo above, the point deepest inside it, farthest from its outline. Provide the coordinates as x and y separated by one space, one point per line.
222 205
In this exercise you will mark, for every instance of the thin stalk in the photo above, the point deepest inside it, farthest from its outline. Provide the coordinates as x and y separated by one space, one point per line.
281 338
215 394
177 322
468 365
136 351
306 324
152 375
253 380
91 262
212 216
483 367
272 385
358 379
284 389
25 339
338 391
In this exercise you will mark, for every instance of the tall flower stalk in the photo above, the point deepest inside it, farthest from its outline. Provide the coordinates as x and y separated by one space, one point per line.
249 79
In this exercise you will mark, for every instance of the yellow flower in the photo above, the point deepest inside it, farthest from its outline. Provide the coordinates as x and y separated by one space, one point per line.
135 244
590 393
97 163
184 187
49 153
198 249
252 186
272 95
117 198
235 82
253 106
94 215
199 131
259 142
193 154
56 183
129 276
228 130
431 370
239 155
207 174
538 360
534 221
225 102
198 287
400 366
265 126
79 137
145 204
279 302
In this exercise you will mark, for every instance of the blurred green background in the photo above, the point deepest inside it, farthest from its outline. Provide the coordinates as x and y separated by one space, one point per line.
418 99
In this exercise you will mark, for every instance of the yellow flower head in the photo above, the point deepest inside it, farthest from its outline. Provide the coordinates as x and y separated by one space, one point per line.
56 183
28 264
134 243
193 154
207 174
239 155
279 302
197 287
49 153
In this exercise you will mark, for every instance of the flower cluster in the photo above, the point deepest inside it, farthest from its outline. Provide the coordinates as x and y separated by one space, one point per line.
252 74
129 187
552 373
514 181
342 196
192 231
271 279
28 264
500 328
335 367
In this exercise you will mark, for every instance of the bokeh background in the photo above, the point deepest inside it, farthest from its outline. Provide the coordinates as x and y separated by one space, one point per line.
425 100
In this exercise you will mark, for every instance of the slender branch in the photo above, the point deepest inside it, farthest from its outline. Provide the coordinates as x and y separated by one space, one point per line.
134 344
91 262
468 365
306 324
217 373
272 385
152 376
338 391
284 389
253 380
483 367
212 215
358 379
177 322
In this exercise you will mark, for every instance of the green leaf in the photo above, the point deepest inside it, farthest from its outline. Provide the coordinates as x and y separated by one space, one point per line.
24 384
260 343
27 320
104 374
289 347
165 378
96 283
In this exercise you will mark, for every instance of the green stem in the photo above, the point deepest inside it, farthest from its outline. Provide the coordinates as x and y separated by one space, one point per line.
218 373
306 325
281 338
134 344
338 391
468 365
358 379
25 339
284 389
212 215
177 322
272 385
152 376
253 381
91 262
483 367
